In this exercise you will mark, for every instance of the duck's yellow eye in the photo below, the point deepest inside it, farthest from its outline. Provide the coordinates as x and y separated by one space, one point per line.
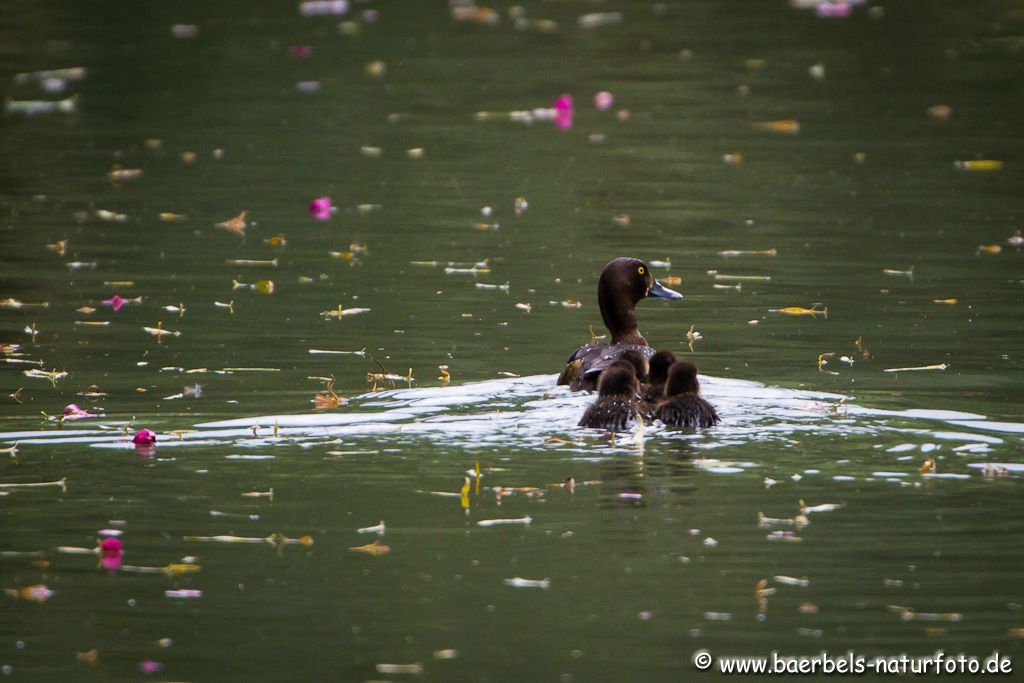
641 270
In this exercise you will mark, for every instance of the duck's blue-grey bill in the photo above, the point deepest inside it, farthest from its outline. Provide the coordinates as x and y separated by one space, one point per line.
663 292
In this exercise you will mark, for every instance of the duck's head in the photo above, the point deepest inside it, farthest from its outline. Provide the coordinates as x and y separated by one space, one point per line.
618 379
637 361
625 282
682 379
660 363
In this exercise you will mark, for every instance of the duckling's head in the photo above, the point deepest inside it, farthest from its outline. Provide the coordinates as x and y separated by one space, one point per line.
637 360
682 379
623 283
660 363
618 379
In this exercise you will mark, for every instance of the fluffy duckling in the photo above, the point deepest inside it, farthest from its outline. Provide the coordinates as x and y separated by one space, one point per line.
616 405
658 375
682 405
638 361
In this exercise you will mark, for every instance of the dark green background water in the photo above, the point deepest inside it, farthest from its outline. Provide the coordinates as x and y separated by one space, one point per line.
325 611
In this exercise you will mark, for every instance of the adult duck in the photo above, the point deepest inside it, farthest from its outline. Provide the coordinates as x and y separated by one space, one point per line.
624 282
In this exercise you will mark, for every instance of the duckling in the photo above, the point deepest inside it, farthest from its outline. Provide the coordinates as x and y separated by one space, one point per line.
624 282
637 361
615 407
654 391
682 405
658 375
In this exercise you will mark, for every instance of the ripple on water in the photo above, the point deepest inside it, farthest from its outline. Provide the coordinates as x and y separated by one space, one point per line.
527 412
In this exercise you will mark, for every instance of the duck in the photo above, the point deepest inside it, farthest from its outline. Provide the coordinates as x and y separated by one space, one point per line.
615 409
658 374
653 391
623 283
682 405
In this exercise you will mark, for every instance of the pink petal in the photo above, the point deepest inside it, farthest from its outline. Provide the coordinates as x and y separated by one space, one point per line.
604 100
144 437
320 208
115 302
111 547
148 666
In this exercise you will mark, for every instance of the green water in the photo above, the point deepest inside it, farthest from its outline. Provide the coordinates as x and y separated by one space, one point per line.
639 582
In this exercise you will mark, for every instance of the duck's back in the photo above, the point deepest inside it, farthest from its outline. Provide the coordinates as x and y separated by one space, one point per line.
586 363
614 413
687 411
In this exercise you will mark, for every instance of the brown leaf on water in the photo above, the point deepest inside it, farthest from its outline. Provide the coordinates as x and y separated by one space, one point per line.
787 126
236 225
89 657
376 548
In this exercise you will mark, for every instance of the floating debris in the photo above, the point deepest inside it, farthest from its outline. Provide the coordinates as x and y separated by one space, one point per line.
275 539
118 174
744 252
36 107
360 352
476 15
752 278
410 669
340 312
269 493
36 593
236 225
482 285
53 375
159 331
497 522
599 20
518 582
18 305
940 366
978 165
183 593
786 126
908 273
814 311
375 549
260 286
73 73
111 216
377 529
823 507
802 582
272 263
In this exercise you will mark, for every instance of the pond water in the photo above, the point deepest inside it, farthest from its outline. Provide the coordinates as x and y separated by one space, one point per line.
874 161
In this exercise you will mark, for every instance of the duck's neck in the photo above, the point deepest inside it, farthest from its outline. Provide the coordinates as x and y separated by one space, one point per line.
620 319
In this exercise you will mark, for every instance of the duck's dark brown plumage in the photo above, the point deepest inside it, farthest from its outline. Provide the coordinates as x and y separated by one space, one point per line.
616 406
682 405
624 282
